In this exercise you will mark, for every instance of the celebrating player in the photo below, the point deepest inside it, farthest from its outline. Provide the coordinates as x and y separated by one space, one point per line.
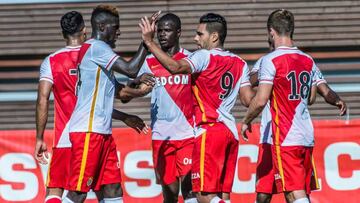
58 74
94 162
218 76
285 78
171 115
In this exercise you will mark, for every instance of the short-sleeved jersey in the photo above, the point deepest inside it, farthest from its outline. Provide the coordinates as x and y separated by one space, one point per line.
95 88
291 73
171 101
60 68
217 76
265 125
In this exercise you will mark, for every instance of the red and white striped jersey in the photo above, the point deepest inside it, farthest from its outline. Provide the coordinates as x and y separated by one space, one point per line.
96 88
171 101
291 72
60 69
217 76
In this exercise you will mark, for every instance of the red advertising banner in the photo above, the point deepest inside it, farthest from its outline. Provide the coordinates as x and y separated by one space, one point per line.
336 153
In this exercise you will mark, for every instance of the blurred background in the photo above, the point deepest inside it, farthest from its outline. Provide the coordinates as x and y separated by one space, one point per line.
327 30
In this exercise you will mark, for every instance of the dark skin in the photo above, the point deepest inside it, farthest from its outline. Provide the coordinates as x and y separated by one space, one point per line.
168 36
107 29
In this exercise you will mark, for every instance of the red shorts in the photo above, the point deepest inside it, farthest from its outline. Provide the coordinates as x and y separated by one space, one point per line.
59 168
172 159
294 168
94 162
214 159
264 170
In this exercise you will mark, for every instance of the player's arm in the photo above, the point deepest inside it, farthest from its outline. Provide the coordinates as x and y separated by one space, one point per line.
42 108
331 97
132 121
132 67
125 93
256 106
173 66
258 103
246 95
312 97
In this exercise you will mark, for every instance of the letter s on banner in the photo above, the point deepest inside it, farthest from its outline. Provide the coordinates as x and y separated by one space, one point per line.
29 179
132 170
331 154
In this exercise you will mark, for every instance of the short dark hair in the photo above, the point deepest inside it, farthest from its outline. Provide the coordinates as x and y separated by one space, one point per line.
282 21
215 23
100 13
173 18
71 23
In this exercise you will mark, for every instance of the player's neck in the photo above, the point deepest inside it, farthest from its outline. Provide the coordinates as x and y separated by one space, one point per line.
173 50
73 42
283 41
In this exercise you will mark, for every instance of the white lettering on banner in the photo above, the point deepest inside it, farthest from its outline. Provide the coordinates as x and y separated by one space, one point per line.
243 187
172 80
331 163
132 170
29 179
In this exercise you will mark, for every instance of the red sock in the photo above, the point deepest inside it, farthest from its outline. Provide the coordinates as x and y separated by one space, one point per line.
53 199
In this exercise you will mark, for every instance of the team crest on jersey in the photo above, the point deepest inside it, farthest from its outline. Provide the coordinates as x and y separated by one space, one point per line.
90 181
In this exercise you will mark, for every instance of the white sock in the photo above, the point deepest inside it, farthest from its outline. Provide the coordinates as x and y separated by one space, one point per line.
67 200
115 199
302 200
191 200
216 199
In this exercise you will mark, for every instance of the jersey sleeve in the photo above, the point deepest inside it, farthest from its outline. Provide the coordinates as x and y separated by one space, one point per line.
45 70
103 55
245 77
256 66
266 72
318 76
198 60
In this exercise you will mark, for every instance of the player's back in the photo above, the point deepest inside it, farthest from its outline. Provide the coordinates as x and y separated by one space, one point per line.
217 85
291 73
60 68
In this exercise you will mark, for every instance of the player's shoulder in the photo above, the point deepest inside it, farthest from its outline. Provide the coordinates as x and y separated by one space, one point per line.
185 51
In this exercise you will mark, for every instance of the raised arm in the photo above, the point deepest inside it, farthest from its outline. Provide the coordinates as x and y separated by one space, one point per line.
173 66
42 108
132 67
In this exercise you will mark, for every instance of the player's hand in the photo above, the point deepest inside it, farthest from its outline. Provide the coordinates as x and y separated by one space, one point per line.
136 123
342 106
147 29
41 153
146 78
154 17
145 89
245 127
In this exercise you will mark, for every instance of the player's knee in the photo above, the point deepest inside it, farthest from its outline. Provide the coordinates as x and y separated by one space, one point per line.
112 190
263 198
74 196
